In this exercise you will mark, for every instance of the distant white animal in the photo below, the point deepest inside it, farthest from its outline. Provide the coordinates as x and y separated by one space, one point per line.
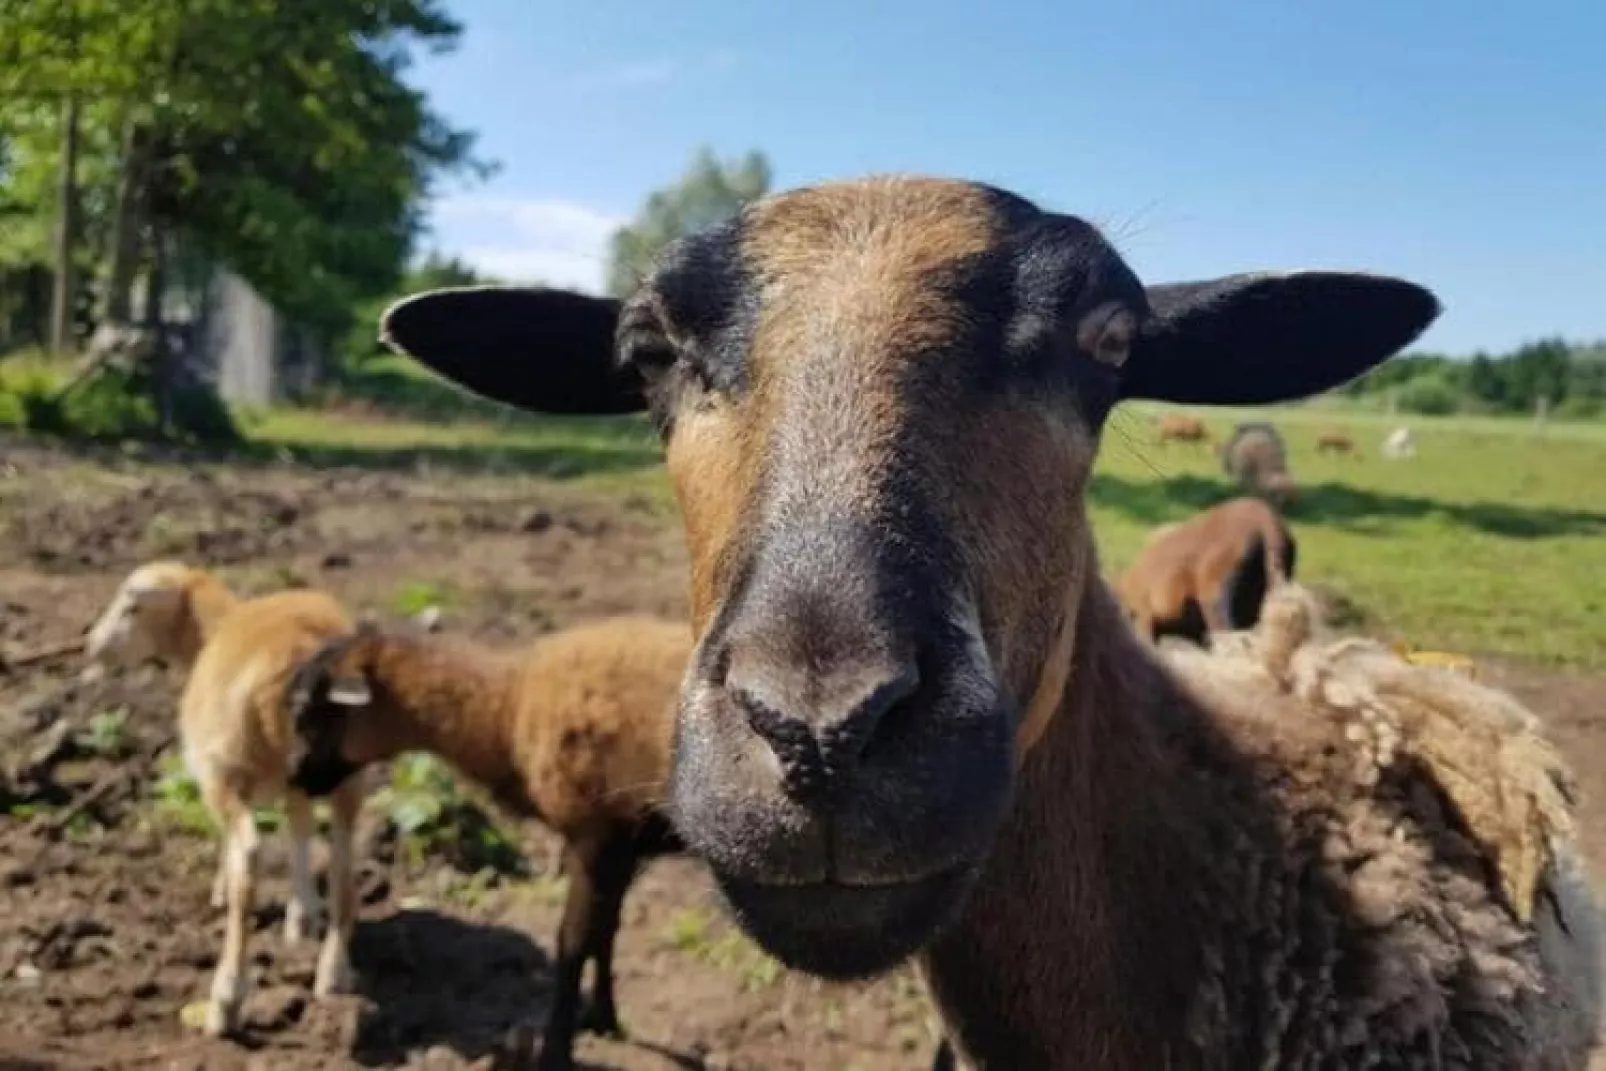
1400 443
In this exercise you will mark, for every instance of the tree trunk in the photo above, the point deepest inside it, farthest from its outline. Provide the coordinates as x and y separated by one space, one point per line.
126 226
61 299
161 358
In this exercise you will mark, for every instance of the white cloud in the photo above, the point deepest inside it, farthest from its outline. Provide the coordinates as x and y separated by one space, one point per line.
547 240
630 75
637 73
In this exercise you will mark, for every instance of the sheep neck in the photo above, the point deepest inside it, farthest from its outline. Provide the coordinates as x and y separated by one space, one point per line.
1076 948
209 602
447 698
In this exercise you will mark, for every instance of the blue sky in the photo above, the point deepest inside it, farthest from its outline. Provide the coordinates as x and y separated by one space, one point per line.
1461 143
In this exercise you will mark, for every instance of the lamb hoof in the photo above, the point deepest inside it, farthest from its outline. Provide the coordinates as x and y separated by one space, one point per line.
554 1060
518 1048
602 1021
299 927
333 979
221 1018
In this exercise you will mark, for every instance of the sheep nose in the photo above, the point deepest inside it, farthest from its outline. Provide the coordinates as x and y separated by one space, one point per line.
820 725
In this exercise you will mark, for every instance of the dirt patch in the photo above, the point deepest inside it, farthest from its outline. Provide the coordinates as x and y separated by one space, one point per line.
105 930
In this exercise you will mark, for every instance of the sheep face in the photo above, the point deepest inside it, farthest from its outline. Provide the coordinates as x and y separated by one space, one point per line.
329 697
143 618
880 402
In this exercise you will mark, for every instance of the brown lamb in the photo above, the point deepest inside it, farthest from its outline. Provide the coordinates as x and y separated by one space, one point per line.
573 730
236 741
1209 573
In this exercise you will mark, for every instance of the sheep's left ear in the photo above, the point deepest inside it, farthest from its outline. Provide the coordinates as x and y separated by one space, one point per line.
352 691
538 349
1262 338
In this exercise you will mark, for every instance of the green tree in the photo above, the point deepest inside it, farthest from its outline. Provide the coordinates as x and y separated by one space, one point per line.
707 193
1539 370
431 273
1485 381
277 136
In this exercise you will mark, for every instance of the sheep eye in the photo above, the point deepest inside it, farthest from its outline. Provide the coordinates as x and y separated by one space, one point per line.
650 355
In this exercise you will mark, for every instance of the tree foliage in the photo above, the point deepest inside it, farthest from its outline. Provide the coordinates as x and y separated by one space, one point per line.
707 193
430 273
278 136
1570 379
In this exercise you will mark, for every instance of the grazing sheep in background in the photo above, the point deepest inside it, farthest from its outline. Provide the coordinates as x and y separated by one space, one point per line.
1257 460
915 722
1184 429
1335 442
573 731
1399 443
1209 573
236 738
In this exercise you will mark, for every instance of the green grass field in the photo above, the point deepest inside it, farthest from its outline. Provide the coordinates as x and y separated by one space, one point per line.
1489 541
1492 540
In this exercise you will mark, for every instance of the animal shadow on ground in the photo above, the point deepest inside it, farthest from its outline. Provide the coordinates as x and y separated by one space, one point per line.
1344 506
23 1063
434 980
437 980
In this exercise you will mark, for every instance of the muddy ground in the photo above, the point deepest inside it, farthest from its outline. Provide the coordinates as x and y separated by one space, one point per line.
105 931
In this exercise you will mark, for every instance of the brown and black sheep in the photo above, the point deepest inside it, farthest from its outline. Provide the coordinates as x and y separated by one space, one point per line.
1208 573
915 722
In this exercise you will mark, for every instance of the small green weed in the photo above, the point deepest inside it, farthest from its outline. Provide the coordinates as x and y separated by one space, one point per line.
434 819
687 929
418 595
106 735
177 798
690 931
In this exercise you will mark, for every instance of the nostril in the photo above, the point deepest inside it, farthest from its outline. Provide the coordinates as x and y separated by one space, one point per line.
790 739
850 736
817 742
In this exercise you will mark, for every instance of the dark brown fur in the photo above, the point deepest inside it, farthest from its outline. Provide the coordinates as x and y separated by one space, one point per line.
574 731
1208 573
915 721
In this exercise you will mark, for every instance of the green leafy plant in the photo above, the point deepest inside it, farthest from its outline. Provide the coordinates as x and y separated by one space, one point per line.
177 797
106 735
417 595
690 931
433 819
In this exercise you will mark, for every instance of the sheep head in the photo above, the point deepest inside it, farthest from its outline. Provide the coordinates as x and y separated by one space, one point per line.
880 402
147 617
328 691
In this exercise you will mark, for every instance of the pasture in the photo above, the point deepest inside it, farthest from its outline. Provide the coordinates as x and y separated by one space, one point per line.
1490 541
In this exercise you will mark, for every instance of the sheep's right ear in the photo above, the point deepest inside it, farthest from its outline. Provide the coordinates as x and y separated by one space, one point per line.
538 349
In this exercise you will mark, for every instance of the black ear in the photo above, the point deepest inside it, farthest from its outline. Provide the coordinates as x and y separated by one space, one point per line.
1255 339
541 350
